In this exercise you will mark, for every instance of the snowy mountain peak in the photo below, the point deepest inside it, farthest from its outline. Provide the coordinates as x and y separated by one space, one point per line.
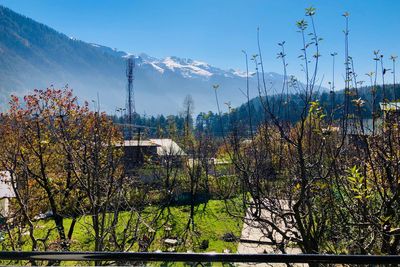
147 58
186 67
239 73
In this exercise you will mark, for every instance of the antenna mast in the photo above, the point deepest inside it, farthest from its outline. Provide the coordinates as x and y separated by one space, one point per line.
130 101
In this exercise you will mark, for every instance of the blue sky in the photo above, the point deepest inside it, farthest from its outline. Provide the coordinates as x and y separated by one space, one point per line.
217 31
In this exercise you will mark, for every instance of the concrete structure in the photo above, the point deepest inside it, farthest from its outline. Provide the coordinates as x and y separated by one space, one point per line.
6 192
136 152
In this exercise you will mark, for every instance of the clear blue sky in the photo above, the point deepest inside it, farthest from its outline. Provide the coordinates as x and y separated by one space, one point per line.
216 31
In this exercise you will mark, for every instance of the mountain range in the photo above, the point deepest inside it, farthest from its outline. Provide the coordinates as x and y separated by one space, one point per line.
35 56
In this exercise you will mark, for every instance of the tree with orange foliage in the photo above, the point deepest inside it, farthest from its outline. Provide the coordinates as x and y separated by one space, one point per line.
62 161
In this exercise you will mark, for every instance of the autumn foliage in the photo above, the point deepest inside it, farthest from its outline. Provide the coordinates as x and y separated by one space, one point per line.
61 159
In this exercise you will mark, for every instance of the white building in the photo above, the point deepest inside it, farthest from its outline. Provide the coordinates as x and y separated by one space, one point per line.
6 192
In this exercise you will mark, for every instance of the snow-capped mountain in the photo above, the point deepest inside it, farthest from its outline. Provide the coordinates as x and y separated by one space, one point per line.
33 55
188 68
170 79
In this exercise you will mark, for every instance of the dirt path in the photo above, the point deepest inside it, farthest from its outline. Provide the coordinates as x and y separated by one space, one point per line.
253 240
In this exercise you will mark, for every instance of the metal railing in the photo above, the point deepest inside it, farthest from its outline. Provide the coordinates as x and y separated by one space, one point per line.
198 257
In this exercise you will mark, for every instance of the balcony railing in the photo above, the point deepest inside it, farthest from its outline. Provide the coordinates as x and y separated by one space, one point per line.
197 257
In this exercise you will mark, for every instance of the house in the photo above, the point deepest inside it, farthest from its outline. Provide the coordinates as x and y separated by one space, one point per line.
390 106
6 192
138 152
391 112
167 147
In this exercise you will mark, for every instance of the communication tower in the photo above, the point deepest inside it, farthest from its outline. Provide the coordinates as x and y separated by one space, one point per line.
130 100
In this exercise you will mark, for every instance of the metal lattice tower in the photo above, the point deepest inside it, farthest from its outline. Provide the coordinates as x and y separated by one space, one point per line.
130 101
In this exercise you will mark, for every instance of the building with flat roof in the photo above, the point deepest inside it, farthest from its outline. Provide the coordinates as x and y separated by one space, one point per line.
138 152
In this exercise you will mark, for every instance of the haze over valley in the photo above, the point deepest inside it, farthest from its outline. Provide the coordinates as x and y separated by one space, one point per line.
35 56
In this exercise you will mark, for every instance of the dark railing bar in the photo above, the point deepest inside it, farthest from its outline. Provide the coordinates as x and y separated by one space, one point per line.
200 257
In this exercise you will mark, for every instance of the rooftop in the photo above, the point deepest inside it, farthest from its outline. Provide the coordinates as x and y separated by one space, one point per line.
390 106
164 146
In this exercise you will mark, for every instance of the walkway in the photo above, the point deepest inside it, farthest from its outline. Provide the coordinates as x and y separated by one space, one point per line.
253 240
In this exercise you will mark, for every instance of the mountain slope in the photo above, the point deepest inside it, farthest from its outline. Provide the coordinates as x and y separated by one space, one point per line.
32 55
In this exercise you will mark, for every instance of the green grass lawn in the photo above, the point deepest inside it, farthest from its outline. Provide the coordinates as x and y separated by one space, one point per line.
212 221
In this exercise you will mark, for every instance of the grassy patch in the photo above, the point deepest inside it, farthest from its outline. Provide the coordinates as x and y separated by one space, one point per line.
211 222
